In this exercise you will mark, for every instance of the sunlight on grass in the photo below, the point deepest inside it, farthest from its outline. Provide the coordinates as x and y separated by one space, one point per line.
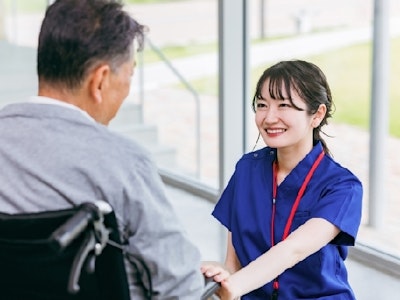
145 1
349 74
25 6
395 89
348 71
172 52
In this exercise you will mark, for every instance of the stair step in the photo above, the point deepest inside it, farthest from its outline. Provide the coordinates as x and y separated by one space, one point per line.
128 114
147 136
142 133
164 156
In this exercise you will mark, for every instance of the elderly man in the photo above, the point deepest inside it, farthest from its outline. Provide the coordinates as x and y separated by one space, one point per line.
56 150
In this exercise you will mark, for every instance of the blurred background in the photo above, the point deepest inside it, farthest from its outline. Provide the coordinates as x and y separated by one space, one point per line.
190 102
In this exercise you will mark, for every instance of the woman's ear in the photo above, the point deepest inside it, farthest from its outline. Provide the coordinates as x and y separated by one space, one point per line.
319 115
99 82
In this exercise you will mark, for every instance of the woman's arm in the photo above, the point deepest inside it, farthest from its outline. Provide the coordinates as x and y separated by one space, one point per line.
232 263
301 243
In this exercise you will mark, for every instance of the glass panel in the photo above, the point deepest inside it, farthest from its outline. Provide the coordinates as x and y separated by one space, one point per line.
172 107
338 41
177 86
19 27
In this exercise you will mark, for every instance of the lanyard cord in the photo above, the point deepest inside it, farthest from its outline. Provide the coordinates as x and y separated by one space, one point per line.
294 207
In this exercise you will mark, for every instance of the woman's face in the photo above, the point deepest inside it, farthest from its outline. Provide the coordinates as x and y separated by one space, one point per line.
280 124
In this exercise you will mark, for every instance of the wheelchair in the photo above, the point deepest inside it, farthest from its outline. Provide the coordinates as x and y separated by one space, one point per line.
69 254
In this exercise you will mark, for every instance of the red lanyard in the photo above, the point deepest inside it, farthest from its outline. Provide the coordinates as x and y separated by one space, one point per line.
294 207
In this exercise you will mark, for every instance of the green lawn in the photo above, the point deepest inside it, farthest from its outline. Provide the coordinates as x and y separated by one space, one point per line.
349 74
40 5
177 51
145 1
24 6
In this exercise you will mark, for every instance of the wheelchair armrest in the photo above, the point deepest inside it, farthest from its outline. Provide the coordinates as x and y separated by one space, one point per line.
88 216
74 226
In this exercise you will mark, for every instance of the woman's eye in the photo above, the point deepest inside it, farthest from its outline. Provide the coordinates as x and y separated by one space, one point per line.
261 106
285 105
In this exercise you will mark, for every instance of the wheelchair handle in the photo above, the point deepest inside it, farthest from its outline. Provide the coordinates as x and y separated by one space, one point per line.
75 225
210 288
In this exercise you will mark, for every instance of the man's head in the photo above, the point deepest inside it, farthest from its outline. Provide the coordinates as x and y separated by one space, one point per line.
86 48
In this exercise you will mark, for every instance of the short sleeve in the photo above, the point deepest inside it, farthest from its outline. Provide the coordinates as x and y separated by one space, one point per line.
223 209
341 204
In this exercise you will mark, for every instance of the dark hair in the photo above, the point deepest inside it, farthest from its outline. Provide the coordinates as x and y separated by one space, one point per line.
78 34
307 80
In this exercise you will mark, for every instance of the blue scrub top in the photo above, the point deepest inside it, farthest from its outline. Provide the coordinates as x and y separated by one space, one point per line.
333 193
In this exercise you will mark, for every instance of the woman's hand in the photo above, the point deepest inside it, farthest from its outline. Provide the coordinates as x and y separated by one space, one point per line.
219 273
215 270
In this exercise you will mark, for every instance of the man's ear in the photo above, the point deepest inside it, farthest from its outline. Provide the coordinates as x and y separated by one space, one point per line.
99 81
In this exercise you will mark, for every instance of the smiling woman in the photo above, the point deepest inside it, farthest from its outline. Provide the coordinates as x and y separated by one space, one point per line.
289 205
285 90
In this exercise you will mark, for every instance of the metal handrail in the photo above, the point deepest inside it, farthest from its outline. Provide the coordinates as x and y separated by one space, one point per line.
187 85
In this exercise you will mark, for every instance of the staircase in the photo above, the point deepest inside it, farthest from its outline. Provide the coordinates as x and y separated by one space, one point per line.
129 122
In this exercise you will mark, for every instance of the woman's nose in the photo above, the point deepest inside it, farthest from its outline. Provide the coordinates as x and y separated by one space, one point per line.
271 115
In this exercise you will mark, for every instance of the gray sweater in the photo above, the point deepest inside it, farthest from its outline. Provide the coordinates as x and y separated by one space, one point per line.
52 157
